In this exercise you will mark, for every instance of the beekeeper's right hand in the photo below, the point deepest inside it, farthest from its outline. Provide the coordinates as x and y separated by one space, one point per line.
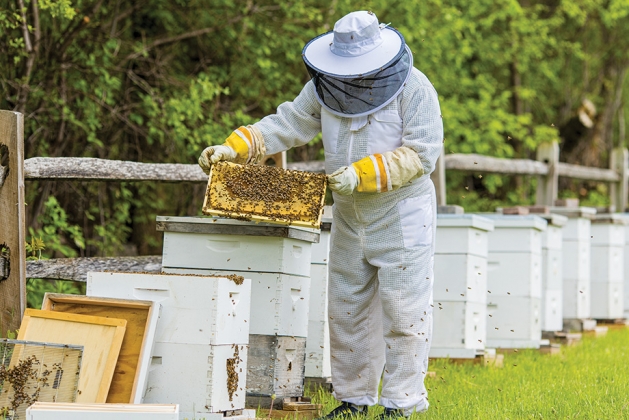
215 154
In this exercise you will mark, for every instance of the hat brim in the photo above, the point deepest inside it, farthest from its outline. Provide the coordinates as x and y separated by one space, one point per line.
318 55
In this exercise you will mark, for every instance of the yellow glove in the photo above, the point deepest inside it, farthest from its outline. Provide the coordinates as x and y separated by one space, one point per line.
244 145
387 171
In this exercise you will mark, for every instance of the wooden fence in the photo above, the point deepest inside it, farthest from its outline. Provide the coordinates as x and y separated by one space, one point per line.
14 170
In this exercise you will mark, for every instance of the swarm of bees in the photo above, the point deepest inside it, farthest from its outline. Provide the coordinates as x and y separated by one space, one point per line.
25 380
232 374
256 192
236 278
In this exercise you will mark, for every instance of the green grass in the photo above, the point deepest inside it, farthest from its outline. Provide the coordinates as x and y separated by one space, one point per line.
587 381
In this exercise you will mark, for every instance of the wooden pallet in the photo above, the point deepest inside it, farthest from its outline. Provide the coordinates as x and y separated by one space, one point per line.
265 194
563 338
487 360
613 324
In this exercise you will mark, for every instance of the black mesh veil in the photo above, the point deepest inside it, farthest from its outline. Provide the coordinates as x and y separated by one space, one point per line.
361 94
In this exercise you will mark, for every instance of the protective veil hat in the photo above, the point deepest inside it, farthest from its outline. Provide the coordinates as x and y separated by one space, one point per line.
359 67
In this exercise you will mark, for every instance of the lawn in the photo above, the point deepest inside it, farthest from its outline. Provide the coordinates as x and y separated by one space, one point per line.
589 380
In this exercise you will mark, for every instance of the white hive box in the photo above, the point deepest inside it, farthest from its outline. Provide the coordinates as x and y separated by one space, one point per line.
202 321
608 230
552 237
77 411
576 299
460 278
195 309
576 258
552 310
607 301
514 274
552 272
321 250
514 322
318 340
459 330
462 234
235 245
318 310
626 274
607 264
202 379
579 222
318 350
514 233
459 316
608 269
607 252
318 363
279 302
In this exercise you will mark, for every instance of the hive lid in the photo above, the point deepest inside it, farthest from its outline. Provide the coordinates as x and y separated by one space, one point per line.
224 226
554 219
517 221
575 212
465 220
611 219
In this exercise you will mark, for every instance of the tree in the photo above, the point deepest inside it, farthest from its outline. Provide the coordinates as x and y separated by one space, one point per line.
157 80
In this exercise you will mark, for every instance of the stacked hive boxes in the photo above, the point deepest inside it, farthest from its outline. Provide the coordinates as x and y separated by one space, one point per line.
607 275
460 286
626 274
515 282
576 263
318 368
277 259
552 279
200 351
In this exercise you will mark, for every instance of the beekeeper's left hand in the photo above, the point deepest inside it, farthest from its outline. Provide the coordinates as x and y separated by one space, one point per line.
344 180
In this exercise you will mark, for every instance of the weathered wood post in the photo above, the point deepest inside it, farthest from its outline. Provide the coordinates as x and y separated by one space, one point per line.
548 186
278 158
438 177
12 222
620 163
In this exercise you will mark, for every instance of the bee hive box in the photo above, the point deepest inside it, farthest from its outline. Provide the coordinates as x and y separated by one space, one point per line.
265 193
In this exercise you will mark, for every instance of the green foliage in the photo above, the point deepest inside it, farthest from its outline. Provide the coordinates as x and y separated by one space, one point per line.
35 247
37 288
57 234
58 8
157 81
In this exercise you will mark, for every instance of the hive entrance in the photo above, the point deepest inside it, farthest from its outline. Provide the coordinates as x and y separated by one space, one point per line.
265 193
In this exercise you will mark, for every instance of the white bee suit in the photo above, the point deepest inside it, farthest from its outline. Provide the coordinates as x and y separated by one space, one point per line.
382 244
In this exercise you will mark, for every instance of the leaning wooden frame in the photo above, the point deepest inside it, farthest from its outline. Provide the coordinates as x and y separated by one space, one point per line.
128 383
265 194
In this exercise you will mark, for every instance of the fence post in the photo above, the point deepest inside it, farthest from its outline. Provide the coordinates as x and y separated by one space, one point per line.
279 160
620 163
548 186
12 222
438 177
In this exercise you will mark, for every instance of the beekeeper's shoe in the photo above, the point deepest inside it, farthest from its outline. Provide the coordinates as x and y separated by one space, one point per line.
391 414
345 411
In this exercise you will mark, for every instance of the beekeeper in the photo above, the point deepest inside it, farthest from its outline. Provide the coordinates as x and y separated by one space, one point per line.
382 134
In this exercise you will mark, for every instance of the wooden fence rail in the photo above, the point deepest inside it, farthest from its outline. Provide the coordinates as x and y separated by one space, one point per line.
91 169
12 289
